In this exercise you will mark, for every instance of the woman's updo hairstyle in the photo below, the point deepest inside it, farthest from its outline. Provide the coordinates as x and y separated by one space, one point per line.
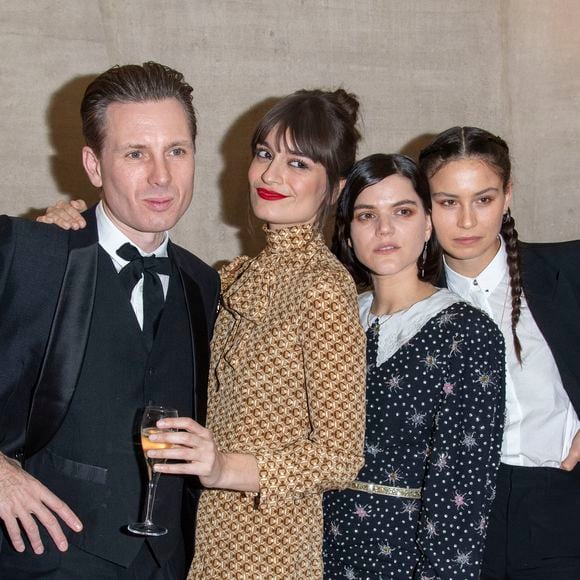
366 172
473 143
320 125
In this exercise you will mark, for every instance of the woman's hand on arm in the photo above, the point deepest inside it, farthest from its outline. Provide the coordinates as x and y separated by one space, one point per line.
66 215
574 454
195 449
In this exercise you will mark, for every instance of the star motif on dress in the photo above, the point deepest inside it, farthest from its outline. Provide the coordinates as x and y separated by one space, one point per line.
485 379
455 347
448 388
437 419
426 452
373 449
375 328
425 577
386 550
393 476
490 488
469 440
430 361
349 574
409 507
394 383
361 511
335 530
442 461
446 318
481 526
417 419
463 559
431 528
459 500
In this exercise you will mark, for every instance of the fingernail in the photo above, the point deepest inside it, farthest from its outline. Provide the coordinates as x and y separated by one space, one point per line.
63 546
38 550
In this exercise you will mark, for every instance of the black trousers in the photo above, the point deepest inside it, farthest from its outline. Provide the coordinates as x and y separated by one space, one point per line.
534 526
75 564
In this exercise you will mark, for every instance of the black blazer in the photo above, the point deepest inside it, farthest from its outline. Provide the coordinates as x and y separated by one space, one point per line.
551 282
47 289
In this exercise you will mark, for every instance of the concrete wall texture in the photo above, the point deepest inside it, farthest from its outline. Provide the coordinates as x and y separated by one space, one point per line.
418 66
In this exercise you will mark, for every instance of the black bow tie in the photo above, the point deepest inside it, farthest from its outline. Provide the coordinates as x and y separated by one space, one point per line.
149 267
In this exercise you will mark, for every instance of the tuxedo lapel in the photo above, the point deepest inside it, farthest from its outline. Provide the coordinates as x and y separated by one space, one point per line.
198 331
556 311
67 340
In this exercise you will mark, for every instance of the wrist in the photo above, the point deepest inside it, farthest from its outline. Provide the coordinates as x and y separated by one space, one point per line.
215 478
234 471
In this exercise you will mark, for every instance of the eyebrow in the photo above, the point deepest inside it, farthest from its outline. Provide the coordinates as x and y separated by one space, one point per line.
290 151
185 143
396 204
452 195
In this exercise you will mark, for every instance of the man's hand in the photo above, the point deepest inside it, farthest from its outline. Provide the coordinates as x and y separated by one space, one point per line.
23 501
573 456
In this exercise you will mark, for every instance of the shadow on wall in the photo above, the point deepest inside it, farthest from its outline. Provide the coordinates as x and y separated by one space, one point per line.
414 146
233 180
64 126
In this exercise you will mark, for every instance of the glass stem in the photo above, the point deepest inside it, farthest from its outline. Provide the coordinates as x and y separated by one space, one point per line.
151 490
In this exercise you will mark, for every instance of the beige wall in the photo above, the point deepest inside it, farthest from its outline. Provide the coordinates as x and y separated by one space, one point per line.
418 66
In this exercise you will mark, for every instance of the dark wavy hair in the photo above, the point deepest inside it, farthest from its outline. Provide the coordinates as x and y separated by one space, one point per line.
471 142
321 126
366 172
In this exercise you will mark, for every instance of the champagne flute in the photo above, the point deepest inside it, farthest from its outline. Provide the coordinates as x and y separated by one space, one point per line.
151 415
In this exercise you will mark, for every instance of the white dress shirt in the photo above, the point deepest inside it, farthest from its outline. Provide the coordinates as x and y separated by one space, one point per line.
111 239
540 419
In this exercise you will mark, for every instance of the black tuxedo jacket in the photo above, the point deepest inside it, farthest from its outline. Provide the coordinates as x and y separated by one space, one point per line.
47 289
551 282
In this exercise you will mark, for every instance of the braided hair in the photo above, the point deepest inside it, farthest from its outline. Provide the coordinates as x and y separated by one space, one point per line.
470 142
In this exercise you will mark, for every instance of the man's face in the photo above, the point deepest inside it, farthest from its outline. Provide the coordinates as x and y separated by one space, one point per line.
145 168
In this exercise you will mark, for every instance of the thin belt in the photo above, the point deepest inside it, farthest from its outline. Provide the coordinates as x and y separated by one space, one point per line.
406 492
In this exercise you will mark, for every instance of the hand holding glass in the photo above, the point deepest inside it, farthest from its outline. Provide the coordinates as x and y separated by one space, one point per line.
151 415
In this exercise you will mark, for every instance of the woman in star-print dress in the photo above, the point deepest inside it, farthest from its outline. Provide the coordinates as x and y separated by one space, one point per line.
435 395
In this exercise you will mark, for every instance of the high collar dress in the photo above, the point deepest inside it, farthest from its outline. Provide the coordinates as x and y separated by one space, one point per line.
287 384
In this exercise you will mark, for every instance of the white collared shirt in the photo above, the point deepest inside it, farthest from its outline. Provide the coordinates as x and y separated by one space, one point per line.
540 419
111 239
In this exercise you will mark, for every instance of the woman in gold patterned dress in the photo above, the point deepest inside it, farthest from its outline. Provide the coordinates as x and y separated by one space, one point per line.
287 379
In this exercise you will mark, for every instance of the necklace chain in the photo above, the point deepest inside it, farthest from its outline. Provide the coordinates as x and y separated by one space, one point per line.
377 321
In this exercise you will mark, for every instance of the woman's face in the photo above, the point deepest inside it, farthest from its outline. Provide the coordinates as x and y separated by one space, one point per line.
389 228
286 189
469 201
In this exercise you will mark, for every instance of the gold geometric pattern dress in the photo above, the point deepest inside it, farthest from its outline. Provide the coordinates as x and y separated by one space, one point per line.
287 384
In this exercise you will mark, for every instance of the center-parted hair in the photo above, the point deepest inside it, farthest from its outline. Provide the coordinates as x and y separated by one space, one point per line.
132 83
474 143
370 171
320 125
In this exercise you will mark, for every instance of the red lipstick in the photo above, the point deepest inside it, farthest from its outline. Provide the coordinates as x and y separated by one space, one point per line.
269 195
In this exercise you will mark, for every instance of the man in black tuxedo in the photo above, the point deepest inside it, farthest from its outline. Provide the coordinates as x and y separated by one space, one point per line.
95 324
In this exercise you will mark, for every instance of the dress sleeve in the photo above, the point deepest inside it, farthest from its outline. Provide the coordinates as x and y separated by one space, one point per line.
333 345
461 469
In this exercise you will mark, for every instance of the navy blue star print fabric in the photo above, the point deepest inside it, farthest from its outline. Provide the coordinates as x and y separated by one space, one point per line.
435 412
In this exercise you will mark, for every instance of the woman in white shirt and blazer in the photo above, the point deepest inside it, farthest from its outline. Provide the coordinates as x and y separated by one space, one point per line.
532 291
